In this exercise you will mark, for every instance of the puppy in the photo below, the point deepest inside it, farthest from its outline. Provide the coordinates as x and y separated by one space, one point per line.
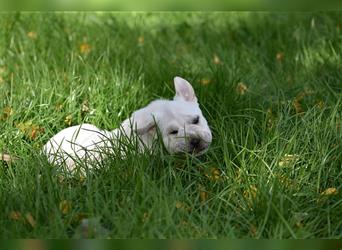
180 122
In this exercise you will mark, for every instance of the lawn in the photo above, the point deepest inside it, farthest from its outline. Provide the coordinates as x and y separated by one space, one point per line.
269 84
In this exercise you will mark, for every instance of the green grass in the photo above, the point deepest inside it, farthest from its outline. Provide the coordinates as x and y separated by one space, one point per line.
276 147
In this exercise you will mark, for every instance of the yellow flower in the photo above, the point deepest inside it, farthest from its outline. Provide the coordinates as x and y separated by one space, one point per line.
298 99
30 220
214 174
179 204
14 215
287 159
6 113
320 104
30 129
82 178
3 70
270 119
287 182
205 81
297 106
280 56
32 35
184 223
141 40
85 106
250 193
241 88
59 106
85 48
253 230
68 120
65 206
203 196
216 59
35 130
182 206
329 191
146 217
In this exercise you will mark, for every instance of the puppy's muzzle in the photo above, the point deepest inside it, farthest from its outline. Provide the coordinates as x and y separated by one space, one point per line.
195 142
197 145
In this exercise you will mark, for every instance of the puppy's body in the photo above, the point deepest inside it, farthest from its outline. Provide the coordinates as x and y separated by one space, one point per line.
180 122
77 143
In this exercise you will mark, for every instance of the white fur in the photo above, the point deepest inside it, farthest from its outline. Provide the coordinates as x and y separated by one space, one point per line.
174 119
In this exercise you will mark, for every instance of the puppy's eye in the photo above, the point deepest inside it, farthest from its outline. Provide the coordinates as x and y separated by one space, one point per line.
173 132
196 120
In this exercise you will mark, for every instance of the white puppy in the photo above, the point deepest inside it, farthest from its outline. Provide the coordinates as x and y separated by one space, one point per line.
180 121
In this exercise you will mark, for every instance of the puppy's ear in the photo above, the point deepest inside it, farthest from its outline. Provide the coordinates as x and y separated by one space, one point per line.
184 90
143 121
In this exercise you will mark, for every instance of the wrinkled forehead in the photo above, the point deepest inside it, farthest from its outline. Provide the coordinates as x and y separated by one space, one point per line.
179 112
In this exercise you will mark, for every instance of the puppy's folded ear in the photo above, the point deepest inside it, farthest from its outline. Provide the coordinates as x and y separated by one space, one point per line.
184 90
143 121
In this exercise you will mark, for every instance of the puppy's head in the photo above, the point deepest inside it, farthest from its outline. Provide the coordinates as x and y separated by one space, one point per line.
180 121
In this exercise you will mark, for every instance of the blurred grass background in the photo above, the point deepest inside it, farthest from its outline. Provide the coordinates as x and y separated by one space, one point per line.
171 244
170 5
268 83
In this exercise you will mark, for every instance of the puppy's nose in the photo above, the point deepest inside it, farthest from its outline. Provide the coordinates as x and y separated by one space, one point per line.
194 142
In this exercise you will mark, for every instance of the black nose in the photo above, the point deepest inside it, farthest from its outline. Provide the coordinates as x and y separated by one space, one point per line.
195 142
